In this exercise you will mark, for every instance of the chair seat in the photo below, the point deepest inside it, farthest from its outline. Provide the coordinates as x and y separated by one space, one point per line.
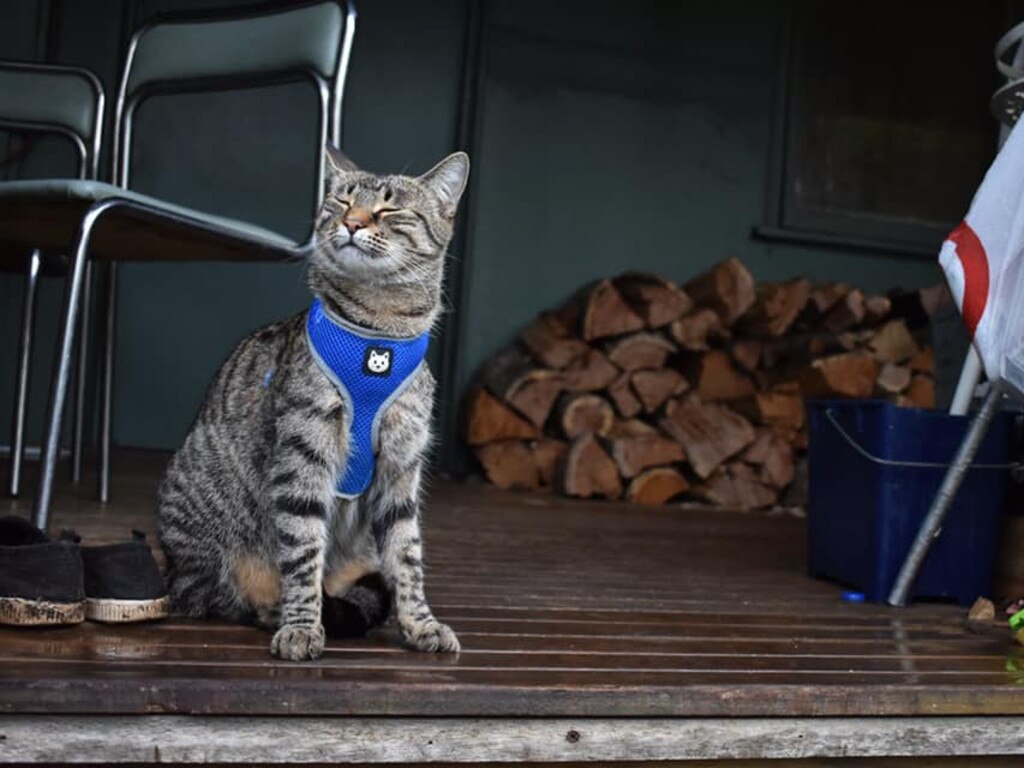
47 213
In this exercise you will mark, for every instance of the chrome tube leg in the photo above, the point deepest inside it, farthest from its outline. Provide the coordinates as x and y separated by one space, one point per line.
24 368
107 383
62 365
932 525
81 378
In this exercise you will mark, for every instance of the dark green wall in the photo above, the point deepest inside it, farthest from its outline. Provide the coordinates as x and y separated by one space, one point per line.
628 136
177 322
610 136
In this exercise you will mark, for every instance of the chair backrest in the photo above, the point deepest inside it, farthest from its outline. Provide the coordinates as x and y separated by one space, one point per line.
1006 102
1009 53
55 99
230 50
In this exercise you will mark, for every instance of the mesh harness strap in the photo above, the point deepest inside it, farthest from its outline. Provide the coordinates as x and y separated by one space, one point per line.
370 371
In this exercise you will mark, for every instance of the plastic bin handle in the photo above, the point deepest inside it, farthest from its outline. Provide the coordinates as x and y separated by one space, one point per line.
893 462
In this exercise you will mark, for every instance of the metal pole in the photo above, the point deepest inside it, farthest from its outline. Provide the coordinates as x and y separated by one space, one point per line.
107 383
81 379
62 367
24 367
932 525
970 375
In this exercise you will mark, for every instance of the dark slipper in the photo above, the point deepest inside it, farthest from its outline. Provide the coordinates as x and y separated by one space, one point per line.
123 583
40 579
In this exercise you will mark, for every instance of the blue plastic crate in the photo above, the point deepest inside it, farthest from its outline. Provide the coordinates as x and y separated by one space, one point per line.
866 504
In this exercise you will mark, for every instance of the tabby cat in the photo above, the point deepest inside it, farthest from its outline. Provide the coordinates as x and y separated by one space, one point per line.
254 519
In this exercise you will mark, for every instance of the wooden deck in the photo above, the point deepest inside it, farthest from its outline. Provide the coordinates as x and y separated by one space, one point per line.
574 615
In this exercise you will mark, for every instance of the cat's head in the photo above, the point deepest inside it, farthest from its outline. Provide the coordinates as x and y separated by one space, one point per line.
385 231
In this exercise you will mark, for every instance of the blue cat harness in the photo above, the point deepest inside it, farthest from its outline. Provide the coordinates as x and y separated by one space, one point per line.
370 372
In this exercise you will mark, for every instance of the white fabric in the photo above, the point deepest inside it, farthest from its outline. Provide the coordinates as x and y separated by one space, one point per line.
983 259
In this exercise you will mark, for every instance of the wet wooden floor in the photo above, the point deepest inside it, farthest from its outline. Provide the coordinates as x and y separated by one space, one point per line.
563 608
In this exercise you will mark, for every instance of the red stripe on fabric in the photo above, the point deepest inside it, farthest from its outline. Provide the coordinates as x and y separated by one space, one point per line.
974 262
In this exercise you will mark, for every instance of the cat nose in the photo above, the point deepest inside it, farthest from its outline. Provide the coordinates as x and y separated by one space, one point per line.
356 219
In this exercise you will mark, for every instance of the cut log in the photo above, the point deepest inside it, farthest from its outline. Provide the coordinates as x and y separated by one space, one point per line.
727 288
917 308
921 392
876 309
746 353
509 464
923 362
625 428
893 343
736 486
636 453
640 350
854 340
893 379
589 372
800 349
551 342
801 441
783 411
589 471
656 486
654 299
548 455
513 377
621 394
710 434
714 377
693 331
576 414
845 313
823 297
489 420
606 313
777 308
848 375
772 456
653 388
935 298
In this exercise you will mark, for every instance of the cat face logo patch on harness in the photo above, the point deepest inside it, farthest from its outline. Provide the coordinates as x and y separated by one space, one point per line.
377 361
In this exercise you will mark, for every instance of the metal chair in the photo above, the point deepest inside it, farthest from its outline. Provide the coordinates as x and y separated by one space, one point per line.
183 53
66 101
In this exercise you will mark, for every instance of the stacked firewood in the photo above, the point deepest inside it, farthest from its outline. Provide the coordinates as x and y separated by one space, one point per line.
644 390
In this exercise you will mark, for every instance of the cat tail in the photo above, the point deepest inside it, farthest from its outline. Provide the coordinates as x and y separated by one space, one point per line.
366 605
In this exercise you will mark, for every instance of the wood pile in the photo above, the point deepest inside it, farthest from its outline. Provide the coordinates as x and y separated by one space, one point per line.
642 389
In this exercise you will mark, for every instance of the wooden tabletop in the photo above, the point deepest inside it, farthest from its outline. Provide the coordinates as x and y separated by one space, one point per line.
563 609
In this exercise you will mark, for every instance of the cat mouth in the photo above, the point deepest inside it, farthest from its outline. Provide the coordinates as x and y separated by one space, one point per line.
350 249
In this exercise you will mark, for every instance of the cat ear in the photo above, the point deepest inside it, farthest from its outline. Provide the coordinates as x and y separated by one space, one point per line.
447 179
336 162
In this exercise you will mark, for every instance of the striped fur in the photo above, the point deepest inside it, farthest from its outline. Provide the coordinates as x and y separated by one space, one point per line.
248 517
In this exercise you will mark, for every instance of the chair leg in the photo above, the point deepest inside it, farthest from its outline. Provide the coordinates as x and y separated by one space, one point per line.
107 384
932 525
62 367
81 379
24 368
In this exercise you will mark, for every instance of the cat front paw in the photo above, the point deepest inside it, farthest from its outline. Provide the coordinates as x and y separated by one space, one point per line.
298 642
431 637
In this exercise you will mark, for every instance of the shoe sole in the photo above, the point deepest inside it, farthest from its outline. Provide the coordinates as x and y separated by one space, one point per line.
21 612
111 611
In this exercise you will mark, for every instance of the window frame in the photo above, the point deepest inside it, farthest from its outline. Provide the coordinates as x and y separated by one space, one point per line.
785 222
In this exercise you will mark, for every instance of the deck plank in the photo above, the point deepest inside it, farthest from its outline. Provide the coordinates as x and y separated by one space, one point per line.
564 609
